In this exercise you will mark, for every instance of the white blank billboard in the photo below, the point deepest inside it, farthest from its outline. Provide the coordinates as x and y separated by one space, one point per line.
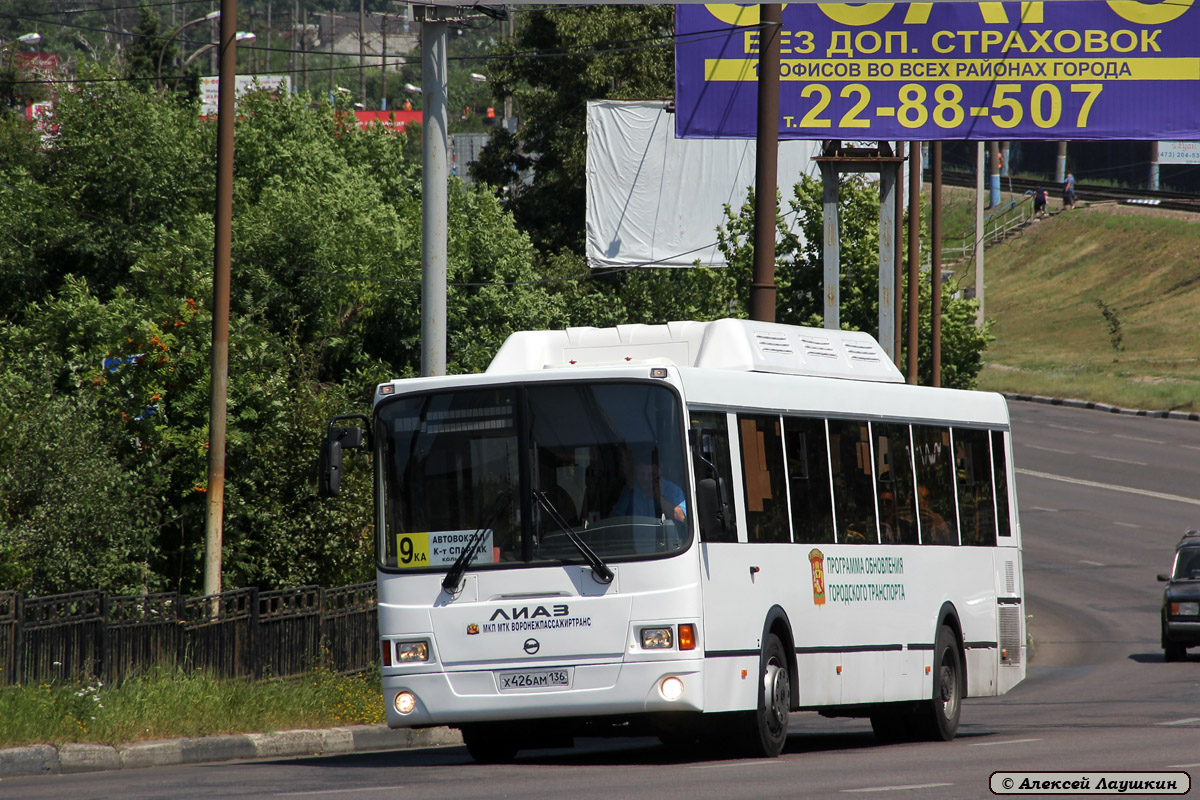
654 200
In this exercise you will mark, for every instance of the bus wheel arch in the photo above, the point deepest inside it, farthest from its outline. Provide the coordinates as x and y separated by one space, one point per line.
777 623
940 716
948 617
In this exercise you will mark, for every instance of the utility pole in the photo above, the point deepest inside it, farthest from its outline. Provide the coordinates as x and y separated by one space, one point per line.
762 285
434 175
383 63
935 261
304 50
219 367
362 61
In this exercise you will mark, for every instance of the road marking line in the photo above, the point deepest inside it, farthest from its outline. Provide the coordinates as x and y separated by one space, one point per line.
1137 438
1051 449
1187 721
1070 428
1121 460
1190 446
899 788
1041 508
734 764
1181 766
1010 741
1093 563
339 792
1110 486
1126 524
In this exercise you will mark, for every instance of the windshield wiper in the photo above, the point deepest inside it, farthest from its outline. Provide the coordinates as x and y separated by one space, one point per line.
603 573
453 580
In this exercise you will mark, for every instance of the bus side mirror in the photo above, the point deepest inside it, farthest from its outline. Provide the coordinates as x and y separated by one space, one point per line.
714 526
329 478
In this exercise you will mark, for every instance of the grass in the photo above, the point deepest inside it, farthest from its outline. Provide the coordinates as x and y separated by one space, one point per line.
1100 303
168 704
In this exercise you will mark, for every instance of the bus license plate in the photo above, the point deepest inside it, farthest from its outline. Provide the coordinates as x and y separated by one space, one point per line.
534 679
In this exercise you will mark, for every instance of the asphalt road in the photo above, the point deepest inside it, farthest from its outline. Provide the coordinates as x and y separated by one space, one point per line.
1103 500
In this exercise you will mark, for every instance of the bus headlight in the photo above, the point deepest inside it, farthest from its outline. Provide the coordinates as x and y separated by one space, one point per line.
657 639
411 652
405 703
671 688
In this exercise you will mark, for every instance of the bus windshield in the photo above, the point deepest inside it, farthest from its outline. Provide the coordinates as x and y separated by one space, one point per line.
523 474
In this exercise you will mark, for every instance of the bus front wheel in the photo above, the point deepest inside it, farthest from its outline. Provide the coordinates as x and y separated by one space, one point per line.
764 731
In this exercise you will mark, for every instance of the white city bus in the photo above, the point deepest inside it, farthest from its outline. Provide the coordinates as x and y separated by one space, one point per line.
689 530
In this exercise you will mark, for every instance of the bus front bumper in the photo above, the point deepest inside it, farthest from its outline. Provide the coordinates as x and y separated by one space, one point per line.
453 697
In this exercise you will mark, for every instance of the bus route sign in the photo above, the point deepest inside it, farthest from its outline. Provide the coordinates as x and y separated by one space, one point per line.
940 71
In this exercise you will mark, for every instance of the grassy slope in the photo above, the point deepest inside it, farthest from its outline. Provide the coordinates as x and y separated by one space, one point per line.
1051 335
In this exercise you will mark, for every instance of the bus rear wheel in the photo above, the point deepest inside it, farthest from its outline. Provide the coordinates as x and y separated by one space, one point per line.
764 731
942 711
490 744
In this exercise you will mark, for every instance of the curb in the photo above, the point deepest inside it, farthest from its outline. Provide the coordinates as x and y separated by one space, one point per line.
44 759
1072 403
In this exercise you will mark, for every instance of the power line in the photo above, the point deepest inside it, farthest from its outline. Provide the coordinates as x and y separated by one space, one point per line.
665 40
105 10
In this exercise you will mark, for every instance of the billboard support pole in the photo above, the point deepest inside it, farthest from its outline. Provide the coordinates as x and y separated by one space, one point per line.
889 179
914 257
979 233
832 250
935 261
898 261
762 285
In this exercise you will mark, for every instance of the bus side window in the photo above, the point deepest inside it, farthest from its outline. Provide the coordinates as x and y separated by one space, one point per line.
976 507
853 482
894 482
1000 478
808 480
714 476
935 485
762 471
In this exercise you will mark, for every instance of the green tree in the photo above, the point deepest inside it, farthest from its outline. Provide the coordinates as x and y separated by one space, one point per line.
557 61
109 327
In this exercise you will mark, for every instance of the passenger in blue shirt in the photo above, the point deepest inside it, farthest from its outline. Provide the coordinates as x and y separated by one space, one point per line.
650 495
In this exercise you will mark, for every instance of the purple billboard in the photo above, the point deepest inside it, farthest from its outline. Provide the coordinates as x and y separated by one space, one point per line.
946 70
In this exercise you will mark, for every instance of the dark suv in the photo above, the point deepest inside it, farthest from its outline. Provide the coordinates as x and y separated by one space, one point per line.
1181 599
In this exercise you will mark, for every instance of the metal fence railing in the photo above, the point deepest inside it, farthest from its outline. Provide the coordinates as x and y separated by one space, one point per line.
1002 222
243 633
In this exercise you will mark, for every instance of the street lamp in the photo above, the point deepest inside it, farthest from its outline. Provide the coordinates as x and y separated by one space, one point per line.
240 36
206 18
30 38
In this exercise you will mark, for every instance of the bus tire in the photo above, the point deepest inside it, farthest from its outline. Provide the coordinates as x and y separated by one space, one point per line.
941 712
764 731
490 744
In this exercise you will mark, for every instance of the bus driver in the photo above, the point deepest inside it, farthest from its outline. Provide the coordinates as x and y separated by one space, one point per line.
649 495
